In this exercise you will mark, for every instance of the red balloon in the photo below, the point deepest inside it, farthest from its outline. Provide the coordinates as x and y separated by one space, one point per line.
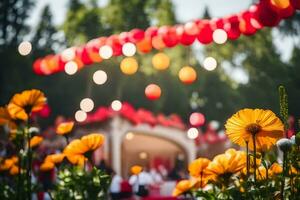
245 26
168 35
197 119
151 32
295 4
232 27
115 44
205 32
136 35
153 92
266 15
184 37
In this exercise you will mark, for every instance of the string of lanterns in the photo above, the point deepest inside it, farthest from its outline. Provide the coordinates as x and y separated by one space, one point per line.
265 13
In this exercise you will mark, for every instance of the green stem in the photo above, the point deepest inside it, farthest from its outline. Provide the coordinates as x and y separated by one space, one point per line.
284 174
248 161
254 153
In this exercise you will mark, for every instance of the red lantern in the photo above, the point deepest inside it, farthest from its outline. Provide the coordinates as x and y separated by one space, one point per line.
205 32
266 15
191 28
37 67
218 23
245 25
283 12
124 37
114 42
151 32
184 37
197 119
232 27
84 55
158 43
168 35
153 92
136 35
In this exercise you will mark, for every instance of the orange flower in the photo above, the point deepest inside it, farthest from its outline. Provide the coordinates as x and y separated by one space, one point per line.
263 124
5 118
35 141
75 147
64 128
275 169
76 159
136 169
197 167
14 170
93 141
9 163
229 163
46 166
55 158
182 187
22 104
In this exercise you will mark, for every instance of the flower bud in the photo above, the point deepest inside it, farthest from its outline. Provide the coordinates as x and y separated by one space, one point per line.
284 144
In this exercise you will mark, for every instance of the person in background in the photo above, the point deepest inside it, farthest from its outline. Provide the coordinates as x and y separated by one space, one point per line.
140 180
115 186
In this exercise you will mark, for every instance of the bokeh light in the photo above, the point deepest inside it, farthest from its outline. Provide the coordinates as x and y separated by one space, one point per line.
187 75
100 77
129 49
24 48
153 92
116 105
210 63
129 136
129 66
160 61
192 133
105 52
71 67
68 54
87 105
143 155
80 116
219 36
197 119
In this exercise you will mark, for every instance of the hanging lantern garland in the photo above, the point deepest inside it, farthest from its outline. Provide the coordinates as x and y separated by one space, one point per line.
264 13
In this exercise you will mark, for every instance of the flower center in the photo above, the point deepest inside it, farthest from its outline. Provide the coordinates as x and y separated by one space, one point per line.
253 128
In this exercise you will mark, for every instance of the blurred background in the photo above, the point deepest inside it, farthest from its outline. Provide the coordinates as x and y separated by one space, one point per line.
249 70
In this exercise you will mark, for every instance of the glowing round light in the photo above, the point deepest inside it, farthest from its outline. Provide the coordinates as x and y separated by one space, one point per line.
129 66
281 4
80 116
129 136
160 61
153 92
187 75
219 36
100 77
71 67
68 54
128 49
210 63
192 133
105 52
143 155
25 48
197 119
116 105
87 105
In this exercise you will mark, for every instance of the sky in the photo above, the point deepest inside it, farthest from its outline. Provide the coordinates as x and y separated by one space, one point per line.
185 10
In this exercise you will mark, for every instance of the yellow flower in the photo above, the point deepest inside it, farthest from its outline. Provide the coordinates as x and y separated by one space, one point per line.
55 158
64 128
75 147
93 141
35 141
261 173
264 124
14 170
197 167
226 164
136 169
182 187
22 104
46 166
9 163
5 118
76 159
